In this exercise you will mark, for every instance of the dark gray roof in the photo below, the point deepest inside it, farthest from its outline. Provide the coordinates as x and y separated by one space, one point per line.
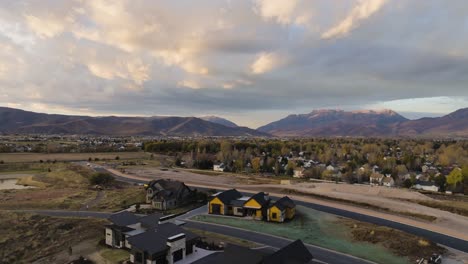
124 218
170 188
150 221
233 254
238 203
120 228
283 203
294 253
227 196
261 198
154 240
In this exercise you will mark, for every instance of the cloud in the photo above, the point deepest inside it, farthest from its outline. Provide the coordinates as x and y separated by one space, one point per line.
230 57
264 62
189 84
363 10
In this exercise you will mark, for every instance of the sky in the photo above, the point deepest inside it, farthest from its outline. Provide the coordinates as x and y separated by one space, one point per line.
251 61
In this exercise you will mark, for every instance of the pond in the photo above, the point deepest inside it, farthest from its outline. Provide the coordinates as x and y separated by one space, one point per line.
9 184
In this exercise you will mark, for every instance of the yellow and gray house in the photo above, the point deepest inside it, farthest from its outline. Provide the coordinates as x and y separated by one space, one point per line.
282 210
259 207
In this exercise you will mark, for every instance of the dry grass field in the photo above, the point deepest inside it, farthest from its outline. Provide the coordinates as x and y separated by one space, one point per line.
36 157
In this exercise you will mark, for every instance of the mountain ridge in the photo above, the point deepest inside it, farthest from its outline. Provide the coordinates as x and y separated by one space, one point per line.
374 123
17 121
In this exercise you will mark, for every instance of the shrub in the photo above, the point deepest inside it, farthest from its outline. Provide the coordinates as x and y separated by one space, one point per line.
100 178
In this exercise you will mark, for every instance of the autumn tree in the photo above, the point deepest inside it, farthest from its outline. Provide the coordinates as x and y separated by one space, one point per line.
455 177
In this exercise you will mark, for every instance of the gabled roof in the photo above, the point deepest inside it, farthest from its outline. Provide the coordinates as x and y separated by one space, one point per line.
261 198
294 253
227 196
234 254
284 203
124 218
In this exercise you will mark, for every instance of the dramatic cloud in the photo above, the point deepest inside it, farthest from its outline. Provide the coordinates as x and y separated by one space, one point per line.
264 62
250 60
363 10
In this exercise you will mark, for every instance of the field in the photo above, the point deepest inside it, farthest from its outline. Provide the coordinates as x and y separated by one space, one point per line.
338 234
25 238
36 157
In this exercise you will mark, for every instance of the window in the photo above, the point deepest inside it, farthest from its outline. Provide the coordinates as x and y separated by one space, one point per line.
240 210
274 215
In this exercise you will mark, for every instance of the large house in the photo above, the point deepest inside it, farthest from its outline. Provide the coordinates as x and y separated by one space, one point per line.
168 194
294 253
426 186
151 239
258 206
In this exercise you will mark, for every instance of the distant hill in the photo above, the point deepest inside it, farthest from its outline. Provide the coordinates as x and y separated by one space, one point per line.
24 122
219 120
368 123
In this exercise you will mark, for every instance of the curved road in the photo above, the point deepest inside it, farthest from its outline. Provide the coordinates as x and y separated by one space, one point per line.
442 239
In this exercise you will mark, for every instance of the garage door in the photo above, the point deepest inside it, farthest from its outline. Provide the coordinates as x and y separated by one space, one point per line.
178 255
216 209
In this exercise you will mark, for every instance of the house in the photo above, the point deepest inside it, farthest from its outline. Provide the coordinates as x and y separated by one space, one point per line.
221 202
294 253
388 181
219 167
281 210
168 194
299 173
426 186
150 239
257 206
232 202
376 178
168 243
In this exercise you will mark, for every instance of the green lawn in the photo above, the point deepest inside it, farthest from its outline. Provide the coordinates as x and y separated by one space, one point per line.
315 228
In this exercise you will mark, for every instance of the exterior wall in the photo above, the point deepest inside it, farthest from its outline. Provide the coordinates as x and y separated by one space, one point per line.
150 261
127 244
216 201
109 237
258 214
173 247
132 258
432 188
279 215
235 211
290 213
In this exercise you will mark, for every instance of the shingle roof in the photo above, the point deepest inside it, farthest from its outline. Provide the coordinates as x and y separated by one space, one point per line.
170 188
294 253
227 196
150 221
261 198
283 203
124 218
155 240
233 254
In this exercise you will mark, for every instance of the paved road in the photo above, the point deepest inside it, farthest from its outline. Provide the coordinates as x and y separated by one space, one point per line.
442 239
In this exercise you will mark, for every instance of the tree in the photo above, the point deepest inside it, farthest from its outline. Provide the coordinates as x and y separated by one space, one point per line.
100 178
455 177
441 181
407 183
256 165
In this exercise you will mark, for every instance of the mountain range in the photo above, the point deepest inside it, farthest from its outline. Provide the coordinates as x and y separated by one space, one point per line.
368 123
23 122
318 123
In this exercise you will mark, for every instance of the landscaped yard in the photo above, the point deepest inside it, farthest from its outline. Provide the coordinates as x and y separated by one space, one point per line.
324 230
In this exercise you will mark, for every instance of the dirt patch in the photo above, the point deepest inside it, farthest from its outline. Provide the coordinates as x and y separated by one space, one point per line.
398 242
25 238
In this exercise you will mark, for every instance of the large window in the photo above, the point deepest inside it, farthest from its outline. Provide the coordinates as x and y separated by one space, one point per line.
274 215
